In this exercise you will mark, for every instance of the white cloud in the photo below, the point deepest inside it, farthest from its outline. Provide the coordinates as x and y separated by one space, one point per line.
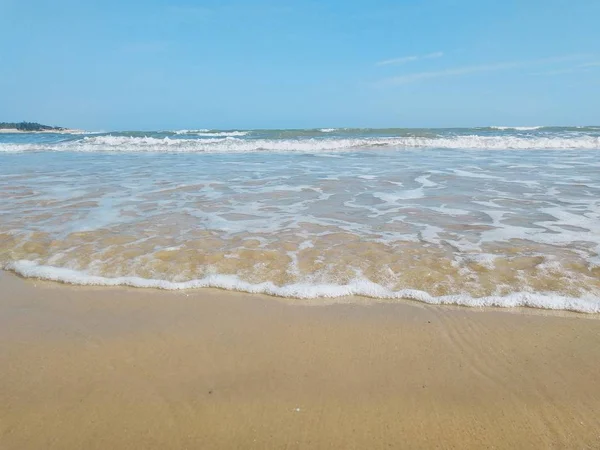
405 59
409 78
580 68
558 71
412 77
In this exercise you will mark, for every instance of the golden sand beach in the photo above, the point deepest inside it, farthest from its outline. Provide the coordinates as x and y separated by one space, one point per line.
118 368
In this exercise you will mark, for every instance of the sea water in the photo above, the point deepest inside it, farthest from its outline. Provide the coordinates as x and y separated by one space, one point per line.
493 216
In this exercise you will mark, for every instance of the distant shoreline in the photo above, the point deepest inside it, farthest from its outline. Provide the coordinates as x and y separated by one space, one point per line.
32 127
56 131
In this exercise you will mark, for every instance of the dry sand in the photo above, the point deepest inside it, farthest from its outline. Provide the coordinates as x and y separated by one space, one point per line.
104 368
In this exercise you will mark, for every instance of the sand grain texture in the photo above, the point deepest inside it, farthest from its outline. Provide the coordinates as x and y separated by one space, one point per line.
101 368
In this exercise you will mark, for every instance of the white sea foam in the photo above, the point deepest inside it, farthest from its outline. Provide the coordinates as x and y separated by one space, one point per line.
202 130
517 128
425 181
222 133
209 133
229 144
394 197
358 287
483 259
488 214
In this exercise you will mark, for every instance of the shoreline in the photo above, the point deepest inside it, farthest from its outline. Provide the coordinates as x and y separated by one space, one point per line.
358 293
16 131
112 367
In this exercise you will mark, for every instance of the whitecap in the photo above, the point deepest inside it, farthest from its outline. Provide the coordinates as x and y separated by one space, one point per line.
358 287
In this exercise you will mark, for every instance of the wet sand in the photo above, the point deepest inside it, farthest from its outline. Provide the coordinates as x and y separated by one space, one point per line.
118 368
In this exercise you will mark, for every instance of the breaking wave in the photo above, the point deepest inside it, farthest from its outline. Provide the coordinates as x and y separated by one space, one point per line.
226 143
358 287
210 133
517 128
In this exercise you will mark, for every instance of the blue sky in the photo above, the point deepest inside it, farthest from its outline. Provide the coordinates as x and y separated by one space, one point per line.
158 64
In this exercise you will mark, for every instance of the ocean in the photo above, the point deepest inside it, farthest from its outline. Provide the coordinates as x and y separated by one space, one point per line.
495 216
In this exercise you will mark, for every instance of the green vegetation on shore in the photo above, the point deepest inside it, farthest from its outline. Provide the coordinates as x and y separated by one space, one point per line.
28 126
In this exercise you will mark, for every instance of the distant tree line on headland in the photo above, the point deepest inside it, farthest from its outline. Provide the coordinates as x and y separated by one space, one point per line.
27 126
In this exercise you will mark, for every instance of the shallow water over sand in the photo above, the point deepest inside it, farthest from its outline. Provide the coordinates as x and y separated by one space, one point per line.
474 227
